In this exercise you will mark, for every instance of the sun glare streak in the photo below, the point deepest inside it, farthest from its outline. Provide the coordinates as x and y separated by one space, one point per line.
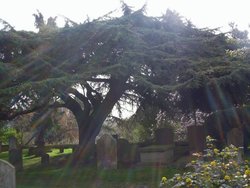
211 99
65 170
226 103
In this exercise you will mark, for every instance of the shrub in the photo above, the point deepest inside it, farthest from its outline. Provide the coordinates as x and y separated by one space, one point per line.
6 133
212 169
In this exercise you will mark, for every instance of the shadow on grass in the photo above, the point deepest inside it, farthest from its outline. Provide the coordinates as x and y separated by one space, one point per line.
60 174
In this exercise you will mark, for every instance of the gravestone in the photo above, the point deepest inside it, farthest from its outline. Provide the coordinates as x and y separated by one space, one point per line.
181 148
15 154
164 136
7 175
61 150
106 152
196 136
45 159
12 143
127 154
235 137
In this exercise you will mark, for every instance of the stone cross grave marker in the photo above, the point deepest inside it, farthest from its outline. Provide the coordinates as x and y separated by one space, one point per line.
7 175
106 152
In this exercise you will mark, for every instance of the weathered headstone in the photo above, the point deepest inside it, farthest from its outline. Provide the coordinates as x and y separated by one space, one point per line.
127 153
45 159
74 149
106 152
196 136
235 137
12 143
181 149
15 154
164 136
7 175
61 150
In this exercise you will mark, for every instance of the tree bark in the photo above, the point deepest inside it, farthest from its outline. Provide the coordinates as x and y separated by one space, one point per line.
89 127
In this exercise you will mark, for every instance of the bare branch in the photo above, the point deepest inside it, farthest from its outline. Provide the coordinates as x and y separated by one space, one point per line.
87 105
106 80
94 99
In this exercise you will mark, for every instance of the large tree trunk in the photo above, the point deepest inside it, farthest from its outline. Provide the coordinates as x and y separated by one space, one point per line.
89 127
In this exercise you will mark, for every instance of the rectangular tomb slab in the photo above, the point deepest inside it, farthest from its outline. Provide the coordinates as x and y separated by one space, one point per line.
157 154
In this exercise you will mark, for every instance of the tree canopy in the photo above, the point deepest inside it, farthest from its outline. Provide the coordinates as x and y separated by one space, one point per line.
89 67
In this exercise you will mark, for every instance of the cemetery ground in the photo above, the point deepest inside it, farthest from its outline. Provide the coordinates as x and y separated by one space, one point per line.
65 176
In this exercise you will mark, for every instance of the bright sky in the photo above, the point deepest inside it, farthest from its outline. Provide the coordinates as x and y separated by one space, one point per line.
202 13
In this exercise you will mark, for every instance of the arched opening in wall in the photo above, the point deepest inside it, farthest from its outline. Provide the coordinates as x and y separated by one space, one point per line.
58 127
64 128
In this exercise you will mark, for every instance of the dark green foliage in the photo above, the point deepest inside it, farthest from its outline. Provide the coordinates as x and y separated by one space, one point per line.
219 123
165 61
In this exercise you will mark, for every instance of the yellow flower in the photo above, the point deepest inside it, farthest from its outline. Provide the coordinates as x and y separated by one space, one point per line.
188 180
247 172
205 166
213 163
227 178
164 179
178 178
216 151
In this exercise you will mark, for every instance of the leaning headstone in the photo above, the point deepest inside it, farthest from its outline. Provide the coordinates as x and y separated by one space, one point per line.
106 152
7 175
235 137
196 136
164 136
15 154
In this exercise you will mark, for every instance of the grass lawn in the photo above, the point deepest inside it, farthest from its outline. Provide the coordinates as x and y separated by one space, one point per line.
55 176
